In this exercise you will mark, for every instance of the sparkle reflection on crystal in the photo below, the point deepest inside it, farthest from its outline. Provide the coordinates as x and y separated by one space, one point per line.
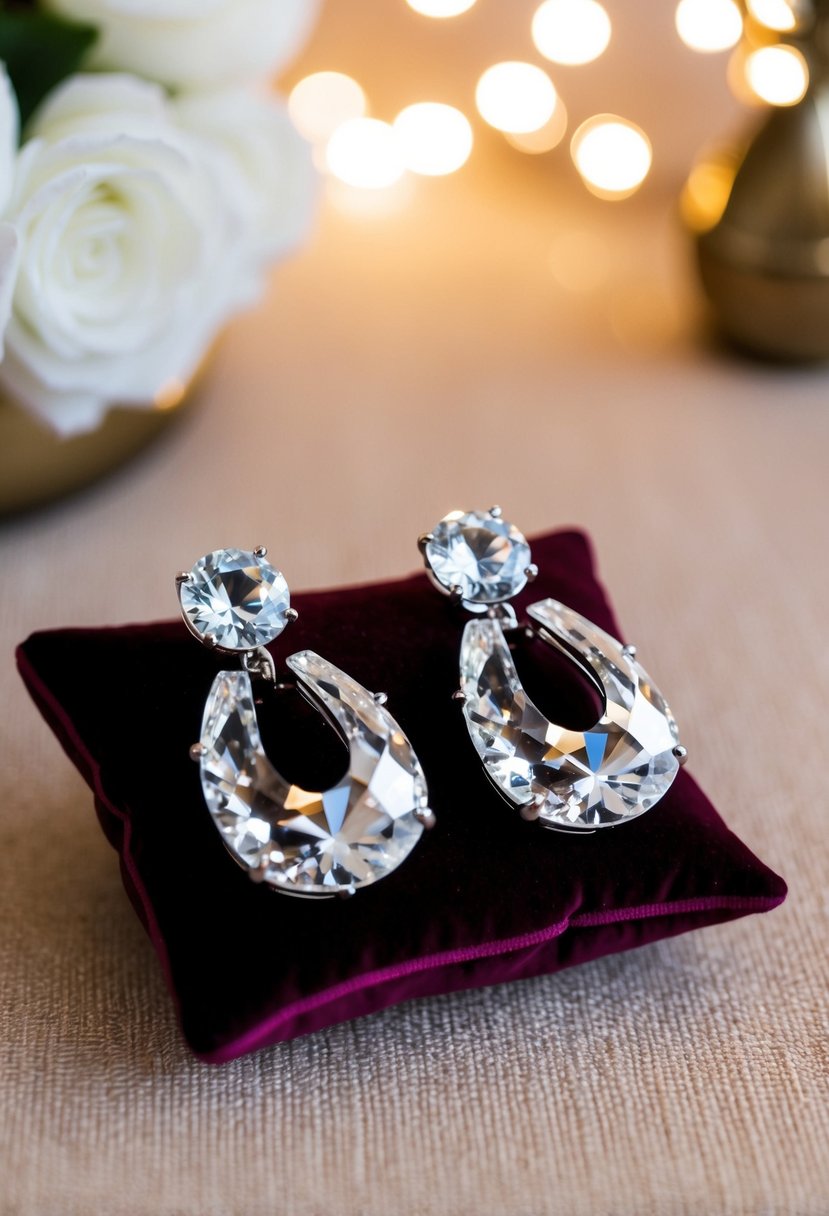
236 597
301 841
485 556
587 779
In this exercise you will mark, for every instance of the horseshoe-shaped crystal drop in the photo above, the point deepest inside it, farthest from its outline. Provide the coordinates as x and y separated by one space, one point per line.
574 780
306 842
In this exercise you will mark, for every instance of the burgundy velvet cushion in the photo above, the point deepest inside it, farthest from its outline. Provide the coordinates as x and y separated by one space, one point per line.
483 898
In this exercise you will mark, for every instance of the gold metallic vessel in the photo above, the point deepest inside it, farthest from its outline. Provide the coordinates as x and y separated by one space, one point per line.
760 218
36 465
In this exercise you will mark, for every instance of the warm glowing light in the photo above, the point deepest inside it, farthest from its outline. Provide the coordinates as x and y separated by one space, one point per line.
170 394
709 25
440 8
707 191
612 155
515 97
545 138
571 31
322 102
363 152
777 74
773 14
367 206
433 139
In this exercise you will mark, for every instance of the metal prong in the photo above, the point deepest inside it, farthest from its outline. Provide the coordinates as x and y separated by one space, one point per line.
629 652
533 809
455 594
458 695
210 640
259 662
197 751
346 893
261 551
426 816
531 572
681 753
183 576
425 539
380 698
258 874
291 615
495 512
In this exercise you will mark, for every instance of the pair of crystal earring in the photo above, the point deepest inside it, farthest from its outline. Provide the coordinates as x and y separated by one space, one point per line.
331 842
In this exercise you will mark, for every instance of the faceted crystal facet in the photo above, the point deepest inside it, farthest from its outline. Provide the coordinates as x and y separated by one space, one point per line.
483 555
307 842
579 779
237 598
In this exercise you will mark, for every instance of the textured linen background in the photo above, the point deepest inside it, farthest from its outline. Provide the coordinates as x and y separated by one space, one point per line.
423 359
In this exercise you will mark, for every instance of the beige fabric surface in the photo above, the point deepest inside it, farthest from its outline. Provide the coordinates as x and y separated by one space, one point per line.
407 362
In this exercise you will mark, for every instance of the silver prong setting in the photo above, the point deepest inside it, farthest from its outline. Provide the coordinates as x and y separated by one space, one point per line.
291 615
531 810
426 816
261 551
531 572
184 576
259 662
629 652
259 872
196 752
495 512
681 754
380 698
424 540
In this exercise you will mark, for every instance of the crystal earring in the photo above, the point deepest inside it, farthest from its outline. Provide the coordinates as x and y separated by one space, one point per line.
298 841
569 780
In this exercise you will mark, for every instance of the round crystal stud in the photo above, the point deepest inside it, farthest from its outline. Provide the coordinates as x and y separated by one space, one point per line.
236 599
483 555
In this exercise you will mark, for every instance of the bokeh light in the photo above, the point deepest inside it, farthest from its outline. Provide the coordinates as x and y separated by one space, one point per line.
440 8
709 25
773 14
515 97
707 191
777 74
545 138
571 31
322 102
364 152
170 394
433 139
612 155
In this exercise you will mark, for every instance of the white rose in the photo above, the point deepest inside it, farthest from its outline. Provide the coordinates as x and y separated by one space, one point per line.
130 252
194 43
267 157
9 130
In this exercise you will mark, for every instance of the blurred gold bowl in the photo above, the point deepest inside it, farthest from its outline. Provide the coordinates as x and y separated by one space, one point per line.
759 215
37 466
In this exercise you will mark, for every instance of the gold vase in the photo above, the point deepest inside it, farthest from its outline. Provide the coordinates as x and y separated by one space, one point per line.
37 466
760 219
